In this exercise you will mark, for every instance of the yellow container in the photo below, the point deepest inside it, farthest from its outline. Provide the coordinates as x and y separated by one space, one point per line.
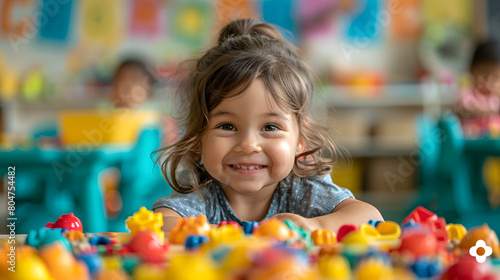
119 126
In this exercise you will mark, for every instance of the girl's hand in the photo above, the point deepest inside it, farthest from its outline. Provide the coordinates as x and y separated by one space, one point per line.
306 223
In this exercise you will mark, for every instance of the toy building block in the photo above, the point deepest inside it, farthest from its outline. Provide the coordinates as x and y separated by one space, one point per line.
323 237
189 226
146 220
67 221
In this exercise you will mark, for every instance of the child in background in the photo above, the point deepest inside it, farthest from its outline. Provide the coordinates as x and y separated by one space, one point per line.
132 84
479 107
250 151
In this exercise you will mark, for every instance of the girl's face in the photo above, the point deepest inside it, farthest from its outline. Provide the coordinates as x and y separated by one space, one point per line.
487 78
249 143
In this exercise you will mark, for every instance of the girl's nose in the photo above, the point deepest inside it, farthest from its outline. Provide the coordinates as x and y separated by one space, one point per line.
248 143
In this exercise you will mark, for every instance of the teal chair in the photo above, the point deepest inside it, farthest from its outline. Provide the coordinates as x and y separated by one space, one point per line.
435 187
44 192
462 161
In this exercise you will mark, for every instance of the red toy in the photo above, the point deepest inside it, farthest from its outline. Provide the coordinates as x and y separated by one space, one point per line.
430 220
419 244
146 244
67 221
468 268
344 230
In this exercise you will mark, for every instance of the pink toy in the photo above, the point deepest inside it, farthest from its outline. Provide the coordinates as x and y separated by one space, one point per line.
67 221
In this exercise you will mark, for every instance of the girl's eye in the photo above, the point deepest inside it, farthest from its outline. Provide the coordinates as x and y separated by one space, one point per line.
270 127
226 126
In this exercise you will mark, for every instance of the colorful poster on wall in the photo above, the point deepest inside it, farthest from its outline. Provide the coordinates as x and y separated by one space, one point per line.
317 17
191 21
55 19
456 12
10 25
406 19
282 13
365 23
228 10
145 18
101 22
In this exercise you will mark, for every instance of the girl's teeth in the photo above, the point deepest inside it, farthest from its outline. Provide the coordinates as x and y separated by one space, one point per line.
248 167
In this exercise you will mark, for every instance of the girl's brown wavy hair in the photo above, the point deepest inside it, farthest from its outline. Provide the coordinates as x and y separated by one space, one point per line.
246 50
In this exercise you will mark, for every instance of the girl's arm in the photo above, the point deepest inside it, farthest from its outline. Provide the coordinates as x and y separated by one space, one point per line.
170 218
349 211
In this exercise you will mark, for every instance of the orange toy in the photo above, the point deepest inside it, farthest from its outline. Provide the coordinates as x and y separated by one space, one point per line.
480 233
275 229
186 226
61 263
323 237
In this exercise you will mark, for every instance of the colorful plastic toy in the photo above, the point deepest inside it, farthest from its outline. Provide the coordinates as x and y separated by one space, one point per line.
323 237
430 220
232 223
420 215
222 234
355 238
369 232
67 221
250 227
427 267
149 247
344 230
275 229
61 263
374 223
187 226
45 236
419 244
480 233
92 260
468 268
373 269
388 230
146 220
194 242
456 232
334 267
191 267
74 235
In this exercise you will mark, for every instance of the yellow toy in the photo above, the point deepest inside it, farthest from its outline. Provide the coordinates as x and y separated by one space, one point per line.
456 231
146 220
334 267
388 230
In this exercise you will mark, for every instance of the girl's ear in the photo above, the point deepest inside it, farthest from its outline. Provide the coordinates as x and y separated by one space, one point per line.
301 147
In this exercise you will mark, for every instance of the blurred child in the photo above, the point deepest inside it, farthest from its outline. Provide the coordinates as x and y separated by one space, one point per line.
479 107
250 150
132 87
132 84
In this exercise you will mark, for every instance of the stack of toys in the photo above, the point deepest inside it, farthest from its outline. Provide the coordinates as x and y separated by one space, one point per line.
422 247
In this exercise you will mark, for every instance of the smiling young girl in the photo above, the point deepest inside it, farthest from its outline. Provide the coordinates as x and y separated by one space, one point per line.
250 151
